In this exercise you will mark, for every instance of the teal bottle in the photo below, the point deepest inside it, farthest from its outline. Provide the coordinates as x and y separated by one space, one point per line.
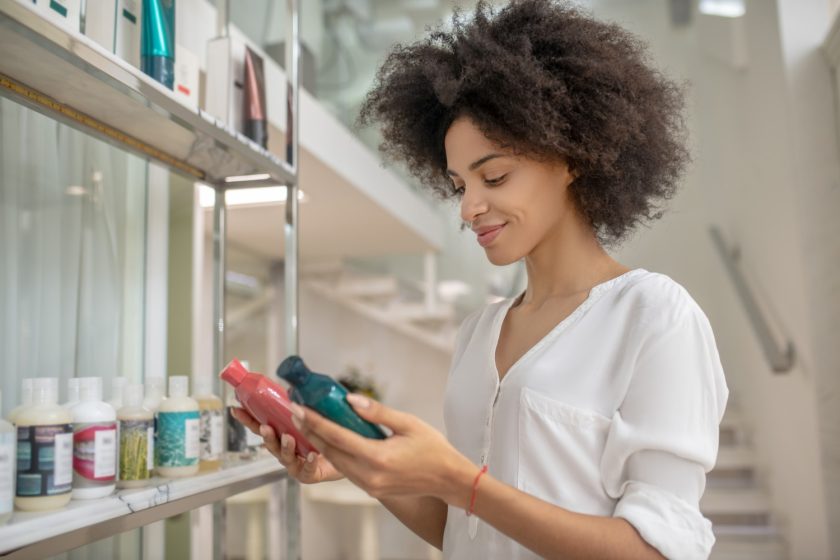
325 395
157 50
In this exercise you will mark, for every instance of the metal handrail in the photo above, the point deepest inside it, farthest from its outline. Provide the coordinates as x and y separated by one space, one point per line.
780 357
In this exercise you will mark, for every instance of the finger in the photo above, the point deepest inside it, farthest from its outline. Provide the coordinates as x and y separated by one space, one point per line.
310 466
287 449
246 419
378 413
322 432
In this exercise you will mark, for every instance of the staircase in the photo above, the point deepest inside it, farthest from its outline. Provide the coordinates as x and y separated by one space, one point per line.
735 501
386 300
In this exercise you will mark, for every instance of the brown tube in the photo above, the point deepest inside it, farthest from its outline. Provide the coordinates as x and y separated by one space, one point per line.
256 123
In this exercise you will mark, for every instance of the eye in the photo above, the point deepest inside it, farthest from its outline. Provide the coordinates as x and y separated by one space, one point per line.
497 181
458 190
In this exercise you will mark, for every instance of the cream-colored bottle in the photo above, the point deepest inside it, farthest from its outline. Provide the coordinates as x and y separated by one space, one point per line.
178 425
45 450
211 410
137 440
25 399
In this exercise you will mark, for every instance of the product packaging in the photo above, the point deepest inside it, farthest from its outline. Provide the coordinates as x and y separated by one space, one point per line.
94 442
177 448
325 395
266 401
44 478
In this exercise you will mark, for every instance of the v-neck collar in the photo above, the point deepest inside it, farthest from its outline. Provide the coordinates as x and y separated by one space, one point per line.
594 295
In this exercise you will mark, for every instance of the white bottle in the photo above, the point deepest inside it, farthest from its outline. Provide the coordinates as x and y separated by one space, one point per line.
94 442
117 385
25 399
72 393
44 450
178 431
137 440
212 410
8 458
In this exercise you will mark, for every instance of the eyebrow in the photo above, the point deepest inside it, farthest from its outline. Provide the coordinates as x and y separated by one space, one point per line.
478 163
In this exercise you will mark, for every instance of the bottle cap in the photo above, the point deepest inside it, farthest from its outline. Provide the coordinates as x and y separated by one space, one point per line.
133 395
44 390
26 391
234 373
73 389
90 388
203 385
293 370
179 386
117 385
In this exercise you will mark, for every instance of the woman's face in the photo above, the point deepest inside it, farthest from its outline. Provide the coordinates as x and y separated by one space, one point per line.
512 203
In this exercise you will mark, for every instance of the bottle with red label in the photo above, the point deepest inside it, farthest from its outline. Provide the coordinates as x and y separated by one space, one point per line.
94 442
266 401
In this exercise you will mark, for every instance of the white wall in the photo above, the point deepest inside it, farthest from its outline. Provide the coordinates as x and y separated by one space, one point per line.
765 171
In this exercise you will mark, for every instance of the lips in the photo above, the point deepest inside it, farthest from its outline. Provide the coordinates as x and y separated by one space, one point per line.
486 235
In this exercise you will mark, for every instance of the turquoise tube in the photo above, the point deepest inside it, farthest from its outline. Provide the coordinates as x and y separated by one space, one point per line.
157 51
325 395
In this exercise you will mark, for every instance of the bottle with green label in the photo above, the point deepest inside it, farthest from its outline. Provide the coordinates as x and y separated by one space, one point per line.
44 450
177 448
137 439
7 469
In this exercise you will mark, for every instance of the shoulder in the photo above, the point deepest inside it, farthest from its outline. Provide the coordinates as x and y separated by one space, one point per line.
653 298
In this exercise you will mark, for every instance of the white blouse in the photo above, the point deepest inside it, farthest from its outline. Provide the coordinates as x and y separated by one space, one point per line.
615 412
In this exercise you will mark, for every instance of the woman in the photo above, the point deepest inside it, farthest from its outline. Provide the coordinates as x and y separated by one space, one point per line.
593 398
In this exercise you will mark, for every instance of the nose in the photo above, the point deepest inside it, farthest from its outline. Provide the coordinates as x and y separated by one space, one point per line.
473 204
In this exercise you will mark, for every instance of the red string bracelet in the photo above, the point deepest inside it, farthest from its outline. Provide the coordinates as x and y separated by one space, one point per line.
474 490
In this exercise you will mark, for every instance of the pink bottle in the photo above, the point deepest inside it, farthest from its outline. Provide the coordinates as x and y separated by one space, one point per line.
266 401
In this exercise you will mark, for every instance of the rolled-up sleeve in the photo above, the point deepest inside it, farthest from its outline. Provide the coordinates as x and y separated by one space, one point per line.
664 436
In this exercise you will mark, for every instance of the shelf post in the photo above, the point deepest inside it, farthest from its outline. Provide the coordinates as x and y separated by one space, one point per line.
292 506
219 236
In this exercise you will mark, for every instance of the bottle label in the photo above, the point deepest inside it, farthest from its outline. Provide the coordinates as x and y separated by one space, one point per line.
94 454
136 443
211 434
44 460
178 439
7 472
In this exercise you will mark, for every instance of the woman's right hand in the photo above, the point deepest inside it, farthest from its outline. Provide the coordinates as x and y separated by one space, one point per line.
315 468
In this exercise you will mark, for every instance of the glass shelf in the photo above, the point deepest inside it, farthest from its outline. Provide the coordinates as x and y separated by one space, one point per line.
42 534
55 70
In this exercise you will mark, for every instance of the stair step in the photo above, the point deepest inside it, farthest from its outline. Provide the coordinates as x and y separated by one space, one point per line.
735 500
420 313
378 287
748 547
735 457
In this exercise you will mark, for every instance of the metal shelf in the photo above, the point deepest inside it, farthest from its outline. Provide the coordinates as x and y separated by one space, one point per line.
42 534
72 78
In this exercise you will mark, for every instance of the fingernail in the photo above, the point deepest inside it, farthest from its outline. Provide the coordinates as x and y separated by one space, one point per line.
311 457
264 431
297 411
358 400
297 422
284 441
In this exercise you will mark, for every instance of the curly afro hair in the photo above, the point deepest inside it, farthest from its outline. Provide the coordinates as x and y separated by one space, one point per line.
550 82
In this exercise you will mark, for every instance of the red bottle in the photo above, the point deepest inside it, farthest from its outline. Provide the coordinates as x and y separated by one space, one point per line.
266 401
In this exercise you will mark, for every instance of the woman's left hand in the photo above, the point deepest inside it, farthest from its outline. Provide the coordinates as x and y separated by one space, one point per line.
416 460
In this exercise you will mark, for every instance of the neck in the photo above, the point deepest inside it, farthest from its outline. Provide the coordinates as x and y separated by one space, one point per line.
567 263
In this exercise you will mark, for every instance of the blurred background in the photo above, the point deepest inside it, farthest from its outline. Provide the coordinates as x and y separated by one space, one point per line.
387 275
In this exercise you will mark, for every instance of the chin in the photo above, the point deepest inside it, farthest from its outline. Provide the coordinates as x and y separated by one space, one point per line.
501 258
